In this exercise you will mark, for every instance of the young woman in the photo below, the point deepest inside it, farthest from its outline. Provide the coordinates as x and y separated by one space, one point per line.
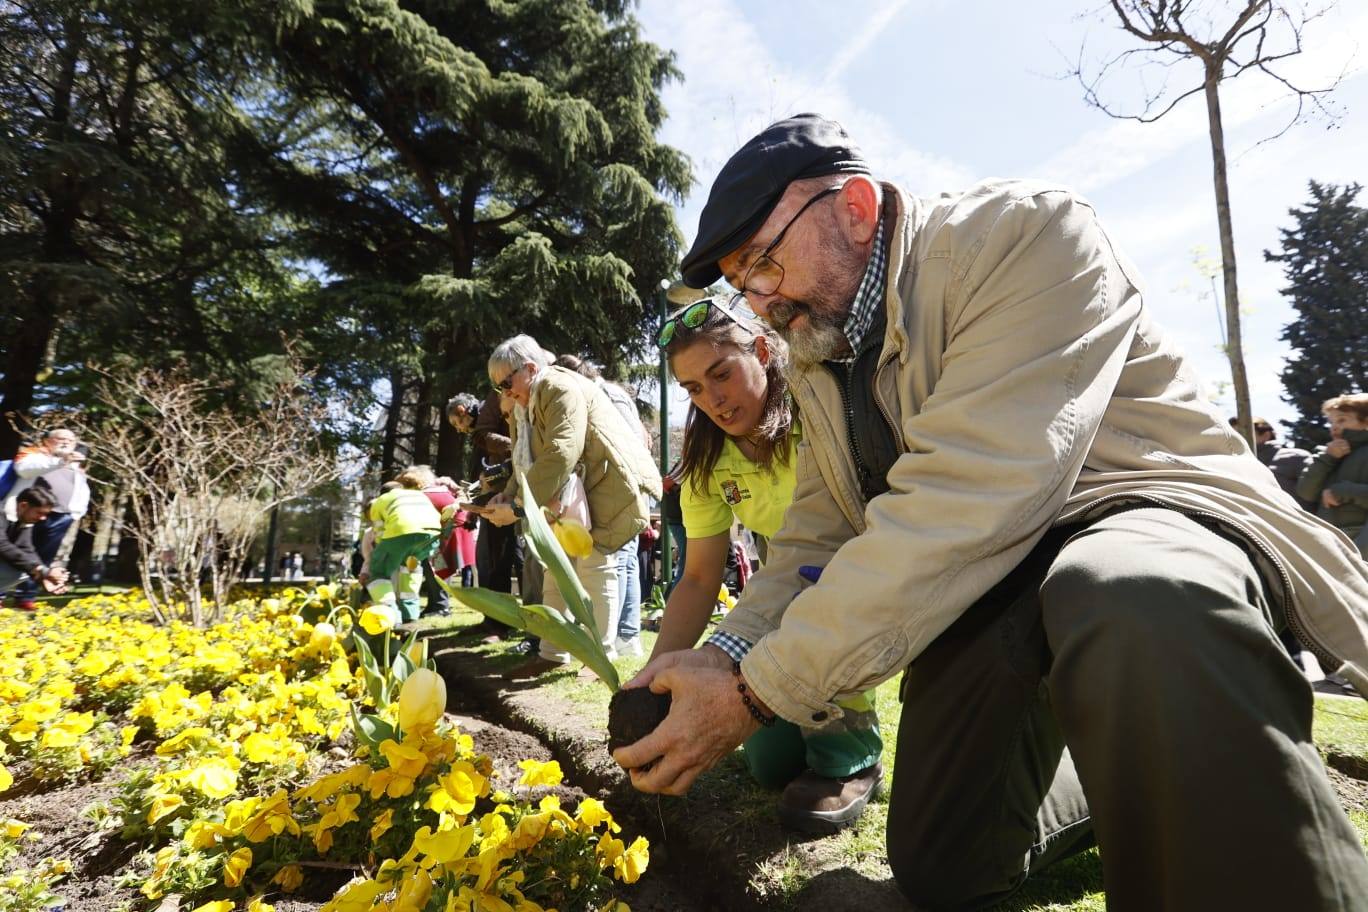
738 463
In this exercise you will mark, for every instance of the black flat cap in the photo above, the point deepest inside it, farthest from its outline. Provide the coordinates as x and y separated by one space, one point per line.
751 182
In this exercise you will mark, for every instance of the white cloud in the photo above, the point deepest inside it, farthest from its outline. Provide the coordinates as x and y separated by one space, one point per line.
873 28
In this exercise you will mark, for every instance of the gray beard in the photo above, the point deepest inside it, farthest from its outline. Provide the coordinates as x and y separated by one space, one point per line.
818 342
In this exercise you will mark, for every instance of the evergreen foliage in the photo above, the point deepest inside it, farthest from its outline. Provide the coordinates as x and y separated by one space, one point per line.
466 171
120 235
1325 259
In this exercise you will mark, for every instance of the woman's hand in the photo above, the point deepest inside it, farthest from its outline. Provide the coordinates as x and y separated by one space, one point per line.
500 514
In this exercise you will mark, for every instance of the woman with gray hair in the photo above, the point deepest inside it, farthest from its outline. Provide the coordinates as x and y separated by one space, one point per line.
564 425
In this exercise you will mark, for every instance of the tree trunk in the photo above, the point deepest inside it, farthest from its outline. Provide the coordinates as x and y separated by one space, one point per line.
26 349
391 439
128 563
1234 347
422 410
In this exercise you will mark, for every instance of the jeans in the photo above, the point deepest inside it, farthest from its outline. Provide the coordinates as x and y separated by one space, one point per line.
629 592
9 575
47 539
680 541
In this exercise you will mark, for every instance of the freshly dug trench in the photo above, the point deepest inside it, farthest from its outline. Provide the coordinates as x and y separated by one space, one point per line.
633 714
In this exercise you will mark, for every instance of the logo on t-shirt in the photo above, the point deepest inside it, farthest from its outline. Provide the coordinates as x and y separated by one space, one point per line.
733 493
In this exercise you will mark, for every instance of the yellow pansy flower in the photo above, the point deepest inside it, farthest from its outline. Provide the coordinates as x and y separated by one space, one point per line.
6 778
218 905
235 866
212 778
164 805
444 846
538 773
271 819
289 878
382 824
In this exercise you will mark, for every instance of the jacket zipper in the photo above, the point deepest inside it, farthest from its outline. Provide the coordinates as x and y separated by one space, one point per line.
861 469
1327 660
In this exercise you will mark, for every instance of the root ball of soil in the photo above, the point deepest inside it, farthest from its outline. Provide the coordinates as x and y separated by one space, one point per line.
633 714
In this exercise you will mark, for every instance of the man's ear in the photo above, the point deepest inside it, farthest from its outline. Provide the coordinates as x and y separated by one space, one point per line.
859 203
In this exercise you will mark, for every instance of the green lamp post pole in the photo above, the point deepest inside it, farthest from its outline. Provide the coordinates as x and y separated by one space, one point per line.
666 559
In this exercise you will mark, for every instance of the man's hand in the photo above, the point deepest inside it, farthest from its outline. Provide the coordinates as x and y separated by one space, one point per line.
705 656
500 514
363 578
1339 448
1329 499
55 580
707 721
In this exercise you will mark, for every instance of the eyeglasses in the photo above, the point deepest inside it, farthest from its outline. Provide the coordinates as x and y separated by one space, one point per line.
505 386
692 317
765 275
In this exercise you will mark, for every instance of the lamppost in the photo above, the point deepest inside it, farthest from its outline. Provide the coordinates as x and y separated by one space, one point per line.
666 559
679 295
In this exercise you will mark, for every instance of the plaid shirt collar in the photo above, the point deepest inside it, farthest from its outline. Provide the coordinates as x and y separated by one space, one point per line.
868 297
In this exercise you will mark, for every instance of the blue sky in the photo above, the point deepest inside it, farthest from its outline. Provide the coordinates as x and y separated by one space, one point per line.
940 94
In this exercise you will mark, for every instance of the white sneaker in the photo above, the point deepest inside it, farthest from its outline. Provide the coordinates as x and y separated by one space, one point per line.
630 647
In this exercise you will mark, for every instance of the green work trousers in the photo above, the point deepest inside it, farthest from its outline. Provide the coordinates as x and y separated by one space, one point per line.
1124 685
776 755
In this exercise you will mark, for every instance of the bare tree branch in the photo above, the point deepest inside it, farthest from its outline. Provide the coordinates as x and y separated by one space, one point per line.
1173 31
201 479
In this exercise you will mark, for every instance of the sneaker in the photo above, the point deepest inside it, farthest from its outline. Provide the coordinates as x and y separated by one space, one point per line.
629 647
532 668
26 605
820 806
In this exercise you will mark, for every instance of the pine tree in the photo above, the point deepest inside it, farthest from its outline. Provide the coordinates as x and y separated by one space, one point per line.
120 236
1325 259
469 169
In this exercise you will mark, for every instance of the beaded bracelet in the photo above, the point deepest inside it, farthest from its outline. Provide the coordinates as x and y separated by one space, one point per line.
767 721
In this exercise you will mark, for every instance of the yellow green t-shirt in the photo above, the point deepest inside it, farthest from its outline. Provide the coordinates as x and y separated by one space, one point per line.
738 487
404 512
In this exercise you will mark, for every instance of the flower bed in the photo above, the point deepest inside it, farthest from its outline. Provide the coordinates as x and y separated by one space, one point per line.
245 780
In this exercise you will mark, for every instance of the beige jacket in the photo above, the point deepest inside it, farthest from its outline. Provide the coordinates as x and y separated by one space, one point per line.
1030 388
574 424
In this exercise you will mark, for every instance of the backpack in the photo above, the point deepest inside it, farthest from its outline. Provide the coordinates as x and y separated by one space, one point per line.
7 477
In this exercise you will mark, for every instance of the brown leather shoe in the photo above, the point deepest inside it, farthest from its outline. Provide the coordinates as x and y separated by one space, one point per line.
817 805
532 668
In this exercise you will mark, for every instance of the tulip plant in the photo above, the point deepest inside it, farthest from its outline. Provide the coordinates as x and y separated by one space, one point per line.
578 634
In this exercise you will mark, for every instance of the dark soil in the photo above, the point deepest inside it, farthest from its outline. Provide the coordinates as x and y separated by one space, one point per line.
99 858
633 714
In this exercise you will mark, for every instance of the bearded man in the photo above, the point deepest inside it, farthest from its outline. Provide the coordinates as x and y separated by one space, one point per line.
1011 491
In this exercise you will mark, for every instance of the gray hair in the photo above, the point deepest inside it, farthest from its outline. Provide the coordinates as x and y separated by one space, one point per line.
464 401
513 353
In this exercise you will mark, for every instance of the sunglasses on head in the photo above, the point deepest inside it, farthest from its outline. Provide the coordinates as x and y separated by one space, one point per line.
692 317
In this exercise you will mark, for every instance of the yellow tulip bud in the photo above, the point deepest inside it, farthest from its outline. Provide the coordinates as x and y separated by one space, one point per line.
422 700
573 537
323 636
411 563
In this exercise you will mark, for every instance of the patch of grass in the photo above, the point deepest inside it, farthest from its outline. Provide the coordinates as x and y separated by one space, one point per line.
1341 727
